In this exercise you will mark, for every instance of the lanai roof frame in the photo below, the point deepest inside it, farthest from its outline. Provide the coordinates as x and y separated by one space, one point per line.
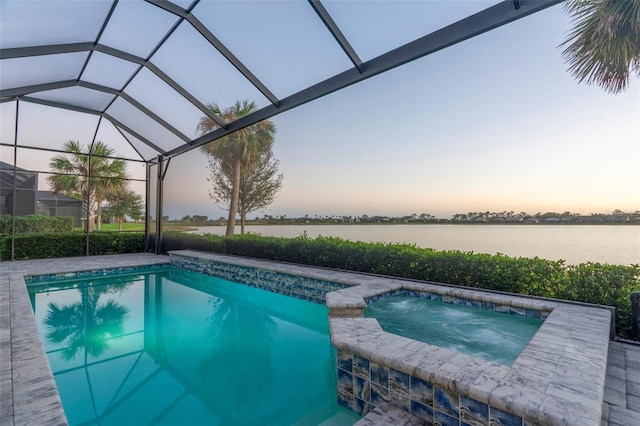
177 142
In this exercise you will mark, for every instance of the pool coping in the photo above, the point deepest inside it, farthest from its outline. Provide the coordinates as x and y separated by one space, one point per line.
560 376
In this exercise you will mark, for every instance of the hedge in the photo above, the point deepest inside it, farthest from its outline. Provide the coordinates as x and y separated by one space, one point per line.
594 283
43 246
36 224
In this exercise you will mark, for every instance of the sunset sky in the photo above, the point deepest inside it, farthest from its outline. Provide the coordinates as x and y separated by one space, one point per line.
494 123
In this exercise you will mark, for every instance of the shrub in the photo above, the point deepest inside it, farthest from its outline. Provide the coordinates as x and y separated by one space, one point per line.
174 240
36 224
594 283
43 246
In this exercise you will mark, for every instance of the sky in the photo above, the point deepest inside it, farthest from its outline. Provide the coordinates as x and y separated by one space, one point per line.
493 123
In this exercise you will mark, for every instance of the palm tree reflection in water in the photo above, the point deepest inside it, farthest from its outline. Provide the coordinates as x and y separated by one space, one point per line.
88 324
241 338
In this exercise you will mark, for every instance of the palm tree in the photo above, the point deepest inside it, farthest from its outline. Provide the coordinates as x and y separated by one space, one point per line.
604 45
89 176
239 150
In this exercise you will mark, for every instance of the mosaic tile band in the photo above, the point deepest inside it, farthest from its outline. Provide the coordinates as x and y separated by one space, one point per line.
363 385
310 289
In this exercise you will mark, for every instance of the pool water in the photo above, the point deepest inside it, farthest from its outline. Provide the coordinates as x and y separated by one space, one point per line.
177 347
481 333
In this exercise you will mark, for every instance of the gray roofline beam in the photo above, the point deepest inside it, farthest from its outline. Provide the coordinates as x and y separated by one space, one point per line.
336 33
77 109
98 87
89 46
52 49
146 62
471 26
20 91
102 28
151 53
202 107
155 117
119 54
119 130
136 104
220 47
217 44
61 151
146 141
172 7
60 105
164 77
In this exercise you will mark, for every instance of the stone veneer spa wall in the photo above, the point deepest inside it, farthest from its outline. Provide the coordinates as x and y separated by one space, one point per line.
558 379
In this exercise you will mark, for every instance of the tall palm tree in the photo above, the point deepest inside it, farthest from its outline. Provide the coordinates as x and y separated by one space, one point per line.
239 150
604 45
87 175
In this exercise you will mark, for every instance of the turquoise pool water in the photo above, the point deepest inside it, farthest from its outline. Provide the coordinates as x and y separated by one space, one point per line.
482 333
177 347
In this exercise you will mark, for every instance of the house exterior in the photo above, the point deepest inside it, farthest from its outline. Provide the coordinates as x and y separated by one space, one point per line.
26 199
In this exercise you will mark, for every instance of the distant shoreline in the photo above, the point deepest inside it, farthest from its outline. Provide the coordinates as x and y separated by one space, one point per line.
179 226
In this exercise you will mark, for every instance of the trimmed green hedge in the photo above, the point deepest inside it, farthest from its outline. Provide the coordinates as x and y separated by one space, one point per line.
588 282
43 246
36 224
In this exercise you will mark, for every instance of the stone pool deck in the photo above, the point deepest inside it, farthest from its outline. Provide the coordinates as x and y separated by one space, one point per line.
29 395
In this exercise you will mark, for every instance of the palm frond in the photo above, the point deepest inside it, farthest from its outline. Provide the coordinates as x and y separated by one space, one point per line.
603 47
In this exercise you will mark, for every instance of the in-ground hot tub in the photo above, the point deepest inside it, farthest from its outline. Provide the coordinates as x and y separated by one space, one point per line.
558 378
471 328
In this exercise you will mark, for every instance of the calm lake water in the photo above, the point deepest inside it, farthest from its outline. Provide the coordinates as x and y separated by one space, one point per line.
614 244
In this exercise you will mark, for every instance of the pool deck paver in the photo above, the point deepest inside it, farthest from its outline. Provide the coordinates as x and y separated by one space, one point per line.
28 395
622 386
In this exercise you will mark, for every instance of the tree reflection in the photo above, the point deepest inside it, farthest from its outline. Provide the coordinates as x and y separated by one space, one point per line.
88 324
241 337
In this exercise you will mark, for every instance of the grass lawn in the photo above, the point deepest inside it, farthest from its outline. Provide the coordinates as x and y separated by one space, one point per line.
113 227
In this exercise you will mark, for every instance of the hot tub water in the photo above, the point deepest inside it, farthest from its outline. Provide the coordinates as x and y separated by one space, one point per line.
482 333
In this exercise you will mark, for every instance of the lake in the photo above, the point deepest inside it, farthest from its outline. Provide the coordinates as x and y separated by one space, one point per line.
614 244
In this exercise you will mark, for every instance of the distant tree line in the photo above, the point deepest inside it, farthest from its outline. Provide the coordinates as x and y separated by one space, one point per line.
197 220
617 216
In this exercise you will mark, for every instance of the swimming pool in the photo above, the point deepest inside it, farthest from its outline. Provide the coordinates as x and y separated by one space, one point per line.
172 346
557 379
483 333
